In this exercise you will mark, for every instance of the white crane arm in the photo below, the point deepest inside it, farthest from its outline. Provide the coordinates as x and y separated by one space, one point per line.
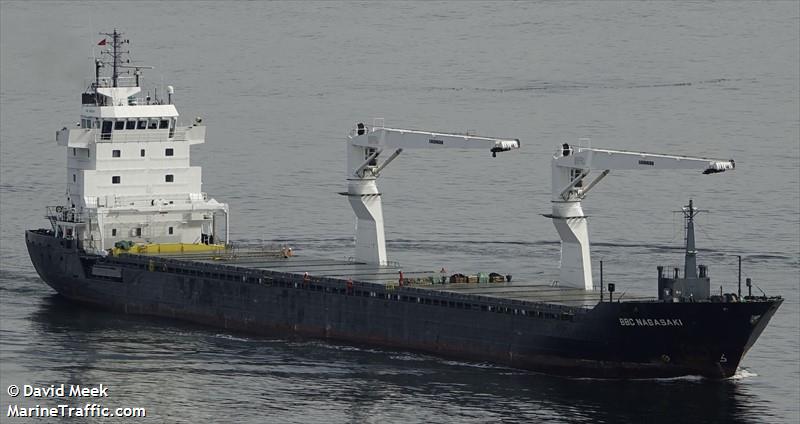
589 158
571 166
369 151
381 137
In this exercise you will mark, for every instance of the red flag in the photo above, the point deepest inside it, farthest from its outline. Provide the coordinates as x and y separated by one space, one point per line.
102 42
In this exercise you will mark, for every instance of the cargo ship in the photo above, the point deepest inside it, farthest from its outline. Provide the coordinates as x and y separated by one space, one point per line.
137 235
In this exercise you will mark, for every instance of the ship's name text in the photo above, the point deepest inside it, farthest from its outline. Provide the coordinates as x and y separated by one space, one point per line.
650 322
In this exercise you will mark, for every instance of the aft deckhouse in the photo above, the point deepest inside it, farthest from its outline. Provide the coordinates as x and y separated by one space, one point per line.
129 176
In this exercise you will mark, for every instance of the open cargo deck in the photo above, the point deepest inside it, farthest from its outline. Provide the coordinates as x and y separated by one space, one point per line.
361 274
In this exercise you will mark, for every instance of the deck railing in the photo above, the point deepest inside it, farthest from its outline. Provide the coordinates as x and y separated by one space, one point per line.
64 214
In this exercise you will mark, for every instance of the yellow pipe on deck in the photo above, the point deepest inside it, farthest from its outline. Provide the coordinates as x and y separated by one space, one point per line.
151 248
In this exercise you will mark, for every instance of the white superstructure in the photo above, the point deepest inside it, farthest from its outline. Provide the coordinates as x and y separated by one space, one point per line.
129 176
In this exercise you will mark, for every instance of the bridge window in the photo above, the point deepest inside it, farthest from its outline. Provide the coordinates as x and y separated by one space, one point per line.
138 231
119 125
130 125
113 232
153 124
105 132
115 179
170 230
163 124
115 153
141 153
142 124
169 152
169 178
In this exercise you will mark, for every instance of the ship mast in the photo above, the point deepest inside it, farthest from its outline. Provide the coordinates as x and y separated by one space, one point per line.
690 264
116 54
117 63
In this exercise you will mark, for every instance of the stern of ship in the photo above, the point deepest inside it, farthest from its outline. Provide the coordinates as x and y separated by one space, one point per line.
56 260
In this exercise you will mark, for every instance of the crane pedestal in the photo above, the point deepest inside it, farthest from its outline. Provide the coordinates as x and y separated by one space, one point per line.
576 263
365 199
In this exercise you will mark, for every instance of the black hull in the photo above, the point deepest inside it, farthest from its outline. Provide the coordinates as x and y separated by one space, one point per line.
612 340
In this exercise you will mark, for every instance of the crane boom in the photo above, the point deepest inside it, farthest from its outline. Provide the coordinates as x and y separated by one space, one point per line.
590 158
408 139
365 145
571 165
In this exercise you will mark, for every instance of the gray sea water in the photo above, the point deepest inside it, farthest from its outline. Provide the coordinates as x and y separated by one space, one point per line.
280 84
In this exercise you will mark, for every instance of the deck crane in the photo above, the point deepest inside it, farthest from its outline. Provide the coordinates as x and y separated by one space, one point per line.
365 145
571 165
